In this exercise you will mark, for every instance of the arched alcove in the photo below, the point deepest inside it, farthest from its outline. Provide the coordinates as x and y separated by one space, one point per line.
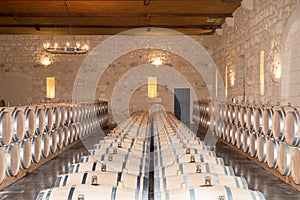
100 57
290 81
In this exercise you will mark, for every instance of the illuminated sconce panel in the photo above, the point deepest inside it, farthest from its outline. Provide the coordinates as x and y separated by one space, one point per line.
217 87
152 87
232 76
50 87
276 73
226 81
262 73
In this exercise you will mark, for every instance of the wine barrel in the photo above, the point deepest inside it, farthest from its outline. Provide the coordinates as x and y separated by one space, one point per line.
45 144
40 120
183 151
115 157
278 119
234 135
243 115
250 117
272 152
12 154
198 180
295 169
90 192
246 141
186 158
49 118
239 138
6 128
221 111
267 120
30 121
68 114
210 192
284 159
208 109
74 113
253 144
231 113
226 113
186 168
120 151
57 116
224 131
18 125
36 148
68 136
3 164
101 178
237 115
54 139
258 111
61 138
25 153
109 166
228 133
262 148
291 128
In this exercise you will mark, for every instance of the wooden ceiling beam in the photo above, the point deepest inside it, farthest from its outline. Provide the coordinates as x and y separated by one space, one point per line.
45 14
114 21
89 31
40 26
115 7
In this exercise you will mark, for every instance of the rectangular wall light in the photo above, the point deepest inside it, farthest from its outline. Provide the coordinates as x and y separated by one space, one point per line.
50 87
217 87
262 73
152 87
226 81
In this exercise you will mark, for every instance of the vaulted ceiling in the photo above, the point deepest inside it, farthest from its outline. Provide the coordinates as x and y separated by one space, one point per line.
109 17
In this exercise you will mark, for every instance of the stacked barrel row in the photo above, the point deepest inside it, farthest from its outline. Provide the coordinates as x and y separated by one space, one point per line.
116 168
204 114
186 169
30 133
268 133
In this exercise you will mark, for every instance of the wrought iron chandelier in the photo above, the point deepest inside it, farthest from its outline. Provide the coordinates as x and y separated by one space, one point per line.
76 48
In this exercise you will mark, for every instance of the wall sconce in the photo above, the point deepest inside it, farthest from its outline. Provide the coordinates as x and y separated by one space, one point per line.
232 79
276 73
50 87
226 81
46 60
152 87
232 76
262 72
157 61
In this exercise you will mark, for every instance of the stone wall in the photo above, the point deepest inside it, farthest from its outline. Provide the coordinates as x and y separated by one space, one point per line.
23 78
263 28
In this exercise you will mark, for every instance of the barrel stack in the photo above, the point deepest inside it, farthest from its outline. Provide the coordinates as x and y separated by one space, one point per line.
116 168
148 157
186 168
29 135
269 133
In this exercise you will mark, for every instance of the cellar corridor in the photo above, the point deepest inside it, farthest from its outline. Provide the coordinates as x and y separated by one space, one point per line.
45 176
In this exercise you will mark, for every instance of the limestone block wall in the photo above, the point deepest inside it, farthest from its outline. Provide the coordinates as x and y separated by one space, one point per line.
23 78
265 28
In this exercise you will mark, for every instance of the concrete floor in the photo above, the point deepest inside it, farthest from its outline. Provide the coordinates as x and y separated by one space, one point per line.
28 187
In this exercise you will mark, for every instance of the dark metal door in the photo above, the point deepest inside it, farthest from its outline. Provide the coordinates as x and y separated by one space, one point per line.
182 104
